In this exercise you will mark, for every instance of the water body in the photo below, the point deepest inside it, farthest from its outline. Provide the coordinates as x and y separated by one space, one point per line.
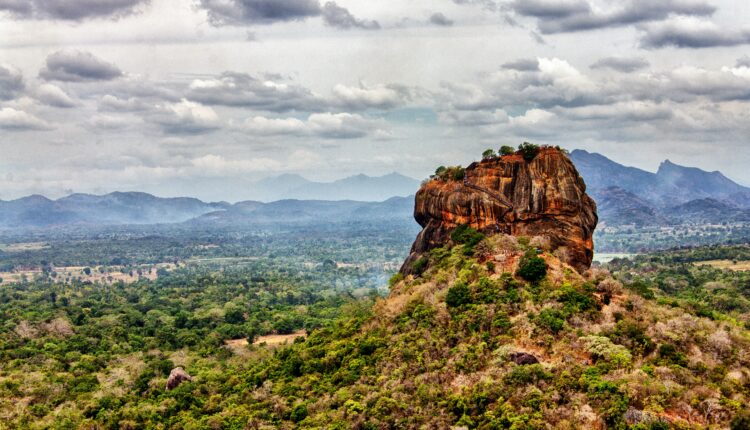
606 257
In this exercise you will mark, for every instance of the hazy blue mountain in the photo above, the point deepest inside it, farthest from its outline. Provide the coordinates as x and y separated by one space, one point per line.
309 211
671 185
359 188
673 195
617 206
275 188
110 209
708 211
599 172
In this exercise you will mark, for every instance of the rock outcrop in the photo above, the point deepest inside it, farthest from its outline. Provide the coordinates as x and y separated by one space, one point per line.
542 197
176 377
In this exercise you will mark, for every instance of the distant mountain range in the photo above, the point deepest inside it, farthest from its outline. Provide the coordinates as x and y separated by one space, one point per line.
673 195
624 196
141 208
309 211
360 188
111 209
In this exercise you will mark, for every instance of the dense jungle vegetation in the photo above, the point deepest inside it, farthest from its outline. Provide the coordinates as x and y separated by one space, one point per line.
521 341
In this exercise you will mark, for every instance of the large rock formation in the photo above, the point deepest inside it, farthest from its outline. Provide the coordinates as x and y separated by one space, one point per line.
542 197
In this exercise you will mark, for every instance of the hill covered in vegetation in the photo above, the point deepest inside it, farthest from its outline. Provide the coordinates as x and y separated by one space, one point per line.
485 330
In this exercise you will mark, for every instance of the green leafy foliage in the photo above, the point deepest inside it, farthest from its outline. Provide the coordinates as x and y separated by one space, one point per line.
532 267
467 236
528 150
458 295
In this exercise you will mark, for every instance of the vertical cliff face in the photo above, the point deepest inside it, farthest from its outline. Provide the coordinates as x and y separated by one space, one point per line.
542 197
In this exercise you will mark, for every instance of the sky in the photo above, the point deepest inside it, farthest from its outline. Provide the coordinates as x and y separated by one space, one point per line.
203 97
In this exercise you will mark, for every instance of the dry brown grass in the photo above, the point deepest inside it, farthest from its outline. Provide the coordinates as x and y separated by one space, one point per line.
740 266
239 346
111 273
273 340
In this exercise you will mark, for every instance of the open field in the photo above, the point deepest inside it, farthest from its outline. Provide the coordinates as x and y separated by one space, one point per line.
726 264
270 341
102 274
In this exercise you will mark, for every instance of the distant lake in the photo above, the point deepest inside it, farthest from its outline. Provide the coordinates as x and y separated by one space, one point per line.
606 258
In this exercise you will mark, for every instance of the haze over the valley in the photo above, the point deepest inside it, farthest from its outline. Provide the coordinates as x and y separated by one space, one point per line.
202 98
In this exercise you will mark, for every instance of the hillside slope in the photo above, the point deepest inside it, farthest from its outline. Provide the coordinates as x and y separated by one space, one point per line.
471 343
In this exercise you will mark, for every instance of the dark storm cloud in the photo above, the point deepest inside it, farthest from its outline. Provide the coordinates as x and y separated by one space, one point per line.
523 65
243 90
11 83
438 18
241 12
621 64
248 12
337 16
550 9
70 10
691 34
77 66
561 16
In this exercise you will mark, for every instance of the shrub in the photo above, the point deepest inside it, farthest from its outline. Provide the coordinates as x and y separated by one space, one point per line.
603 348
488 154
299 413
420 265
459 174
551 319
630 334
487 290
507 150
467 236
642 288
532 267
528 150
395 279
575 301
458 295
455 173
669 354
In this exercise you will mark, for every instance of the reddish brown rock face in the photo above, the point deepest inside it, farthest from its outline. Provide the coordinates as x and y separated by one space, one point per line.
543 197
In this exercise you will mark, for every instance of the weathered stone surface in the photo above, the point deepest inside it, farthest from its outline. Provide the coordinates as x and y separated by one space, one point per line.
176 377
523 358
542 197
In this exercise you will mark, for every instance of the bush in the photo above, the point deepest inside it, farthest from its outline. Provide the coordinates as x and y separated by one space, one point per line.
420 265
458 295
551 319
299 413
528 150
603 348
467 236
488 154
575 301
507 150
670 355
455 173
395 279
532 267
459 174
